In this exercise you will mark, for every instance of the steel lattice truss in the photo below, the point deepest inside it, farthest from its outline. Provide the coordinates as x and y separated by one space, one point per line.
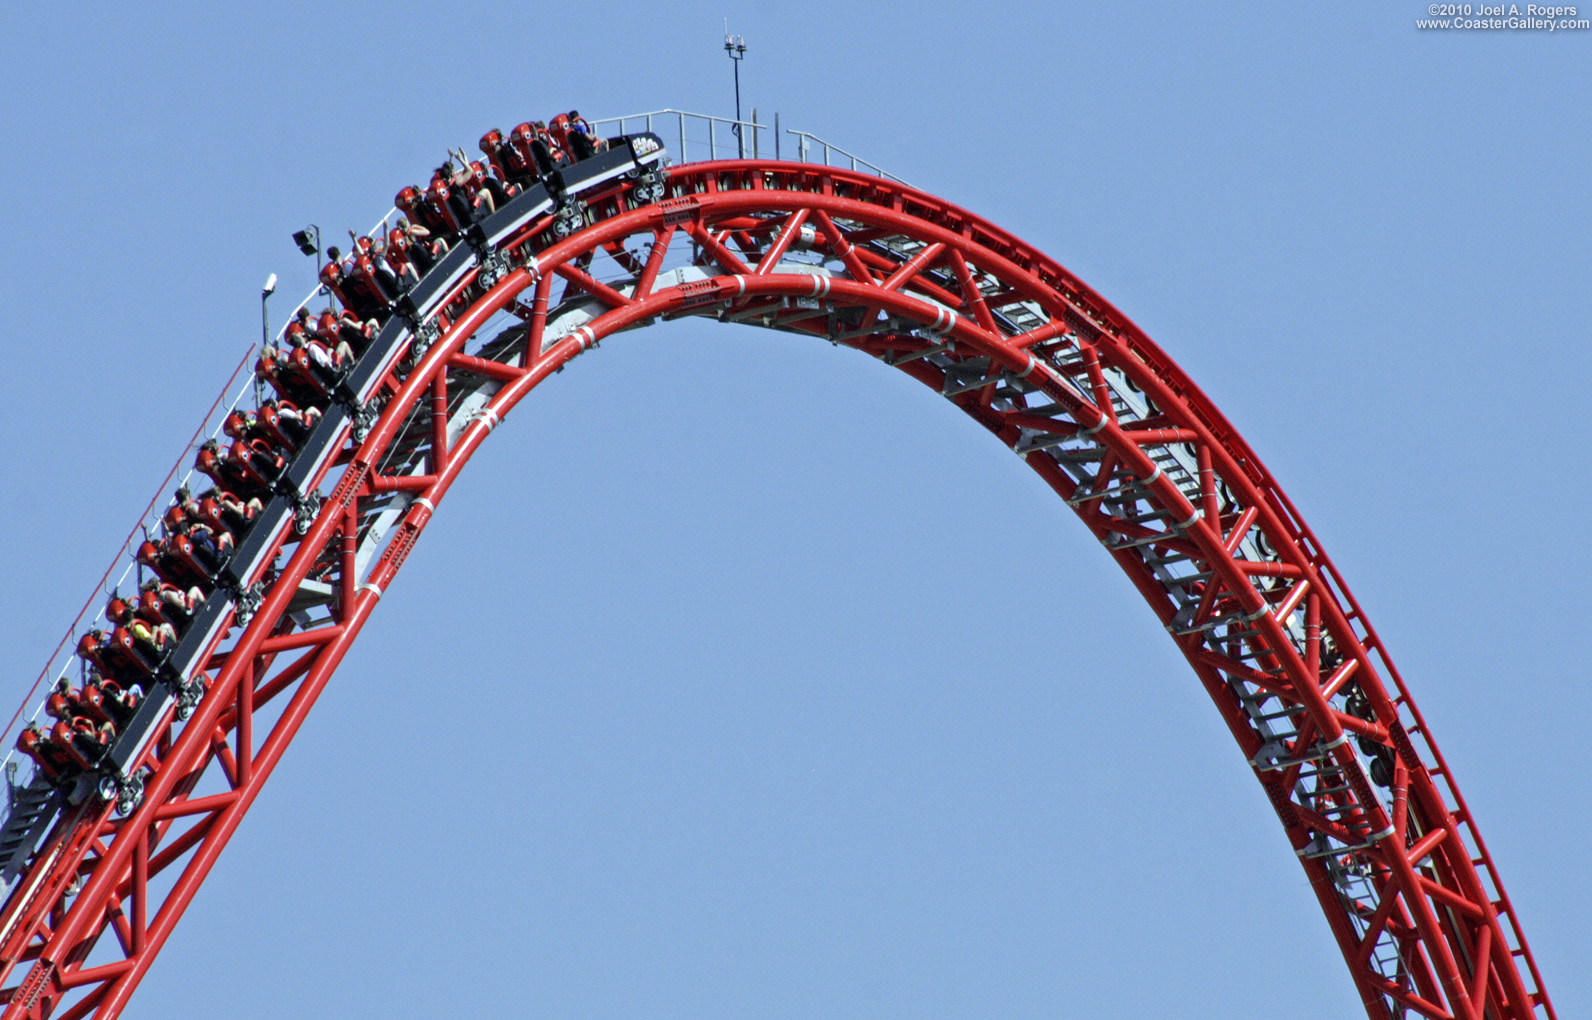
1152 469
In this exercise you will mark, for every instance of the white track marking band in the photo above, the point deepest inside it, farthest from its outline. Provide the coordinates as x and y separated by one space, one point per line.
740 285
1343 738
423 501
369 586
1153 476
820 286
1091 430
1033 363
489 416
585 337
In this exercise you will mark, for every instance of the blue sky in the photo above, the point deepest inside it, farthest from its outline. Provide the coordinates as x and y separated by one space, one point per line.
712 690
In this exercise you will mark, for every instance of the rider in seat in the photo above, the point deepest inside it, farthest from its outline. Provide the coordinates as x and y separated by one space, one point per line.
175 562
157 634
51 758
167 603
83 742
292 423
237 469
336 335
114 653
425 215
223 510
276 368
512 165
105 701
581 140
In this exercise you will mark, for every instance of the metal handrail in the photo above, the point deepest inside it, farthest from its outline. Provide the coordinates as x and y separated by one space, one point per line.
740 144
60 660
59 663
805 140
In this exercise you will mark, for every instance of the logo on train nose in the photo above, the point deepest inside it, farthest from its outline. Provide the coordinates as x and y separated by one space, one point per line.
644 145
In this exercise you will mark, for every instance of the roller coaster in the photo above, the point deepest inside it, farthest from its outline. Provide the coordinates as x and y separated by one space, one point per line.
154 726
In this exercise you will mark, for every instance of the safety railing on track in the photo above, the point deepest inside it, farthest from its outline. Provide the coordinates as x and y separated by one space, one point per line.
60 662
721 137
727 138
806 142
60 659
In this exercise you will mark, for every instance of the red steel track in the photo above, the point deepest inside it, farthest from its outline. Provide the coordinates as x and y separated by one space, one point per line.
1154 471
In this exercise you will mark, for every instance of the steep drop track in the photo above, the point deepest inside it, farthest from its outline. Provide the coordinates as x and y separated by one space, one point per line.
1152 469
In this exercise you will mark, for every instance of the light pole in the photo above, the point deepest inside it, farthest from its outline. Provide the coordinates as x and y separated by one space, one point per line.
735 46
265 333
309 242
265 316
